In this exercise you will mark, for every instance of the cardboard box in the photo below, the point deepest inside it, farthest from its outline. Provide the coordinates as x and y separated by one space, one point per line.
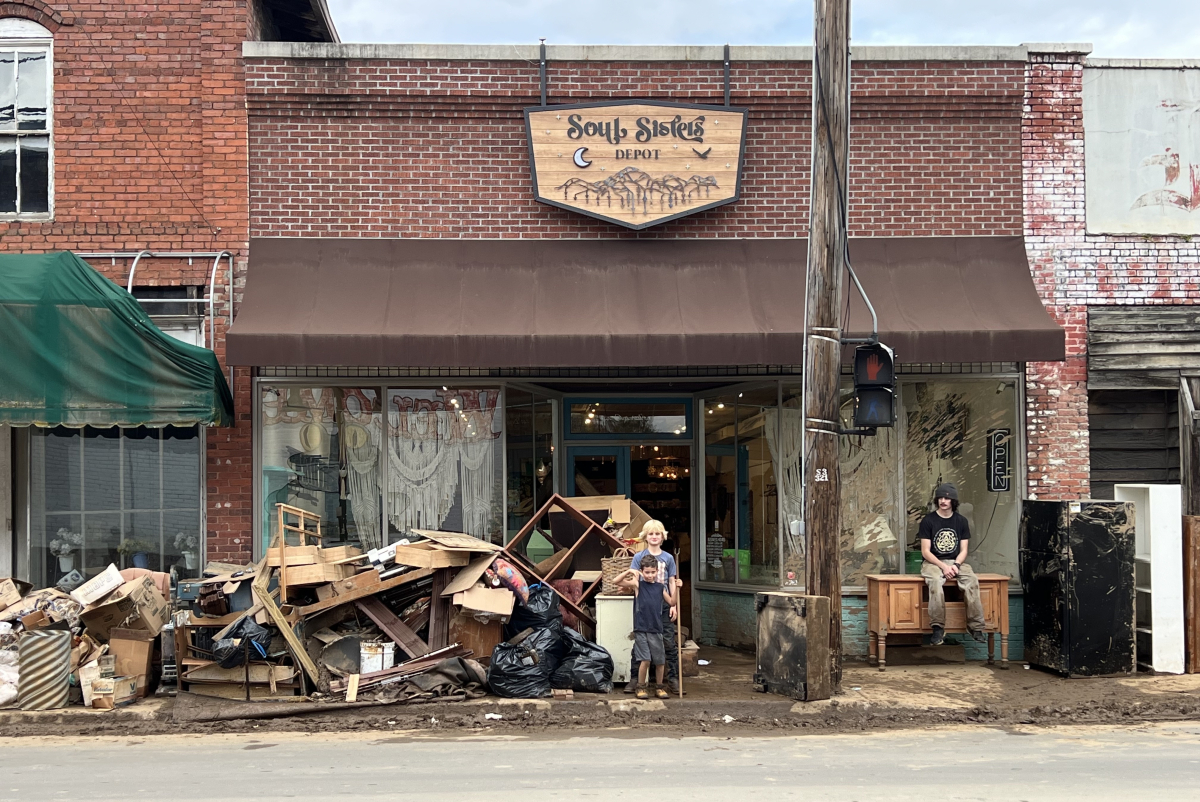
98 586
134 652
489 601
12 591
136 605
115 692
35 620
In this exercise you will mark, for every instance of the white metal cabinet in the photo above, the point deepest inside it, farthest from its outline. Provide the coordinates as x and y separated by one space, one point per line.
614 631
1158 558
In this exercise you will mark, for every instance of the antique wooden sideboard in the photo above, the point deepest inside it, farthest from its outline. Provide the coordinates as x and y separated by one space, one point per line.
898 604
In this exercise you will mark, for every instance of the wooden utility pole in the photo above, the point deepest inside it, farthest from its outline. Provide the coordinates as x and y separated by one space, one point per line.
826 264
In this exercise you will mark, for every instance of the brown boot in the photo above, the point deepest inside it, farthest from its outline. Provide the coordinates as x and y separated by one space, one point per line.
631 686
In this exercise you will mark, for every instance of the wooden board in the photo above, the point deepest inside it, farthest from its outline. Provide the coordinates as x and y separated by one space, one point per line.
588 158
1142 347
1134 438
457 540
360 593
393 627
440 610
299 653
1191 594
419 556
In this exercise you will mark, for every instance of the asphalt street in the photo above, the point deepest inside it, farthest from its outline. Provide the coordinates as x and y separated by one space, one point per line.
1160 762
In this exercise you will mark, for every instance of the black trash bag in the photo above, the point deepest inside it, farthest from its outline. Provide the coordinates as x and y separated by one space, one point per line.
588 667
230 651
522 671
540 612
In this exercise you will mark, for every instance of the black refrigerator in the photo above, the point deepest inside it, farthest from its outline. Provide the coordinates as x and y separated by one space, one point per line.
1077 574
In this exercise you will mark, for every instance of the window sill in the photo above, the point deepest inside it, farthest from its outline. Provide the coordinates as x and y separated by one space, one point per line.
6 217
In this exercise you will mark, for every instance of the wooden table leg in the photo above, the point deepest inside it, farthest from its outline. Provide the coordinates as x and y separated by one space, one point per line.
872 649
1004 650
882 649
991 648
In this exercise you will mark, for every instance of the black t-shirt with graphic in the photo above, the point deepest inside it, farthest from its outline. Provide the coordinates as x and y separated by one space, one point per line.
945 535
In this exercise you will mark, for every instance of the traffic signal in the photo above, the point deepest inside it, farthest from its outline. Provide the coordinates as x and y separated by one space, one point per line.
874 386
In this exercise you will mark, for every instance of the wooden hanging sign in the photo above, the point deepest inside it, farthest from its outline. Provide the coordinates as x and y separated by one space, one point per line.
633 163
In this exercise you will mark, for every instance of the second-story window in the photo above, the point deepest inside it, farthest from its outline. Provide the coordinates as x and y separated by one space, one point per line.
25 118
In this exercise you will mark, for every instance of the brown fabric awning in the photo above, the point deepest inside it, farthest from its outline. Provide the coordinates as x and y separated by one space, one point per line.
628 302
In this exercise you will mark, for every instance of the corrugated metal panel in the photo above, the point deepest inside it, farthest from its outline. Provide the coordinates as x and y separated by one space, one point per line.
45 665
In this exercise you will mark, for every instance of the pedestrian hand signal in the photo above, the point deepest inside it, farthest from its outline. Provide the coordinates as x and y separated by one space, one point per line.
874 386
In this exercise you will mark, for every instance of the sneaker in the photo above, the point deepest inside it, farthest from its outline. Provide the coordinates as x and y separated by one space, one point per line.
979 636
631 687
661 693
641 694
938 637
673 686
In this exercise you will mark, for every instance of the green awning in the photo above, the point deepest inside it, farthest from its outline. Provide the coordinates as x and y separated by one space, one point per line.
77 350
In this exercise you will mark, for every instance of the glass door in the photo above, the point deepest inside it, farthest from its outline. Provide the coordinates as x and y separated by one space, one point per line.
598 471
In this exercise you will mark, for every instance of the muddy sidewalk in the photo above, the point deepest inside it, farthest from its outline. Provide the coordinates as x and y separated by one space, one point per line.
722 699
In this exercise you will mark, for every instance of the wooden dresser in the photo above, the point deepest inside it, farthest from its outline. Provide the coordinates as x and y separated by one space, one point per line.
898 604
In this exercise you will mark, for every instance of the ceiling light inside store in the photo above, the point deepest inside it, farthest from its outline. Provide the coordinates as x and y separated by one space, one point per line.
720 406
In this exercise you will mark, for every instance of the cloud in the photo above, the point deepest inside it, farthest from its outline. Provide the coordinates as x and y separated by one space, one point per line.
1116 28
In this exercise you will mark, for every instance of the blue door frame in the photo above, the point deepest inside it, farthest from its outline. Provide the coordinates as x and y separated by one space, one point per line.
620 452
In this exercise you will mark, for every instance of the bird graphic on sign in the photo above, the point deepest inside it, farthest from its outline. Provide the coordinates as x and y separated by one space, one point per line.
703 155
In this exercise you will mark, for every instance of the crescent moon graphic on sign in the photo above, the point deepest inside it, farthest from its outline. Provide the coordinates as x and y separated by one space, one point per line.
579 160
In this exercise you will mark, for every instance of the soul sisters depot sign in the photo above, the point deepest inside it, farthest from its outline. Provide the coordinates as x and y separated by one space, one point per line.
636 164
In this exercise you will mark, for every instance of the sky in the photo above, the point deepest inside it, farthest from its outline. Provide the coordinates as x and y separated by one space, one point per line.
1115 28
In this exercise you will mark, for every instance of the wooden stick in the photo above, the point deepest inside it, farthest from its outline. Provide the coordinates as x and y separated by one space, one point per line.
352 690
679 632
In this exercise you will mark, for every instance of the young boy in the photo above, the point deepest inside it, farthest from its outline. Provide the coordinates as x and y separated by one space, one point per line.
653 535
649 595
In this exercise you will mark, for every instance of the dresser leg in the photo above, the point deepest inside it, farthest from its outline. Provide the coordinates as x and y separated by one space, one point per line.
882 636
991 648
872 649
1004 650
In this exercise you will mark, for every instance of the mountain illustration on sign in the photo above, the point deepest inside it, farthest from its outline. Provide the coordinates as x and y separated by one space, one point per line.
632 186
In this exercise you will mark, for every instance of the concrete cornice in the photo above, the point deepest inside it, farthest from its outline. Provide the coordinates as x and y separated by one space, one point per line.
577 53
1144 63
1064 48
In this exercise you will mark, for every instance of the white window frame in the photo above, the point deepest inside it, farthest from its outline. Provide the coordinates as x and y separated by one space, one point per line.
21 35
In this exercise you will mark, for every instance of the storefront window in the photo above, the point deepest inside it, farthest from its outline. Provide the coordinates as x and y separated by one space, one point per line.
740 544
529 444
965 432
444 461
124 496
600 418
321 453
871 532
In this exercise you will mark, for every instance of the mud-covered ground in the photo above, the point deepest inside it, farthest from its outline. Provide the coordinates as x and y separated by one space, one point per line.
721 700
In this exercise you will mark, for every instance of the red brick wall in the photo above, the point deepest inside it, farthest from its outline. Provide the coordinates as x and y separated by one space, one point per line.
1074 270
438 149
150 152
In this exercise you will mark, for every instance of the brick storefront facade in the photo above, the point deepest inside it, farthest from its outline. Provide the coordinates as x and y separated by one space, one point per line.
150 153
1075 270
387 147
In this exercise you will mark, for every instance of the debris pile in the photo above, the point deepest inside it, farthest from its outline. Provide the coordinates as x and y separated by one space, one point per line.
435 615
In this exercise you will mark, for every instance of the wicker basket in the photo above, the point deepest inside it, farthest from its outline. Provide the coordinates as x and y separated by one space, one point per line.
611 568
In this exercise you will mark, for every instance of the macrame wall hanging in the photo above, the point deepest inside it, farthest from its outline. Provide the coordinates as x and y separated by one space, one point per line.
786 442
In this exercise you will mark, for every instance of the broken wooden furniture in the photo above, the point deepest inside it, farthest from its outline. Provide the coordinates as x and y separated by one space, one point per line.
306 523
898 604
590 535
